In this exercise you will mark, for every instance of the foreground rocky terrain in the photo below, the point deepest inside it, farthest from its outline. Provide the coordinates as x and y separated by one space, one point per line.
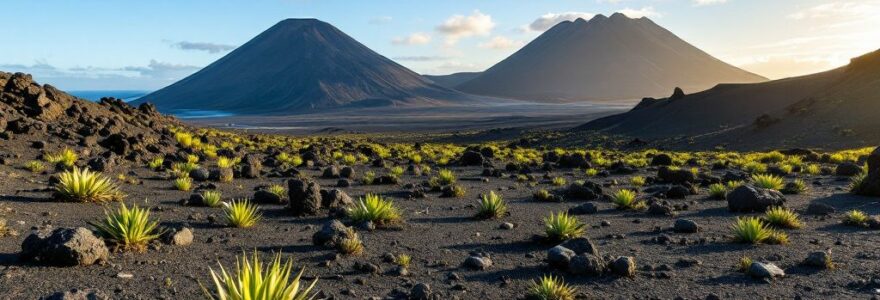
673 240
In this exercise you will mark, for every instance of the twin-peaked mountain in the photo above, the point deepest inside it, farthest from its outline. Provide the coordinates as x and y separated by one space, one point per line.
605 58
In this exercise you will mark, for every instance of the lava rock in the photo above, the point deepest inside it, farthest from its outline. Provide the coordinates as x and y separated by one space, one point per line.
586 264
304 197
678 176
746 198
586 191
471 158
765 270
820 209
847 169
64 247
335 198
330 172
581 245
819 259
559 256
347 172
871 184
624 266
420 291
331 234
178 236
661 159
478 262
200 174
584 209
252 166
686 226
266 197
75 294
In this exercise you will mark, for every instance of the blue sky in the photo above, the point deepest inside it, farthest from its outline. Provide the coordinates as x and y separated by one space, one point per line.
79 45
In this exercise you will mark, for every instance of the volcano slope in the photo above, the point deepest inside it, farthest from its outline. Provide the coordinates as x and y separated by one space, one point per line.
833 109
302 65
679 245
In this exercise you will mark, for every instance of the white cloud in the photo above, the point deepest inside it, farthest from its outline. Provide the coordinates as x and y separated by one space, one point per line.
457 27
708 2
501 43
418 38
647 11
838 9
548 20
202 46
152 76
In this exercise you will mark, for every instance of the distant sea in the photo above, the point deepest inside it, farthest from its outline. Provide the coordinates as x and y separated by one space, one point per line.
126 95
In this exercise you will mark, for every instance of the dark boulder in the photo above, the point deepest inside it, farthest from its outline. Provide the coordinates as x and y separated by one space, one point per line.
64 247
676 176
847 169
661 159
870 186
471 158
304 197
747 198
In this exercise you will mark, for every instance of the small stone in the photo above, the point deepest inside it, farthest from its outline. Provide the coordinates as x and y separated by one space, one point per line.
420 291
584 209
478 262
559 256
506 226
686 226
124 275
624 266
819 259
762 270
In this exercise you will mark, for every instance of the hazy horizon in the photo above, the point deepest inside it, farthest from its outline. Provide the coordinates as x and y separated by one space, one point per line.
146 46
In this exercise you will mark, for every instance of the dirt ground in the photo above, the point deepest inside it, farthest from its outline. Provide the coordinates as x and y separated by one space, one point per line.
439 233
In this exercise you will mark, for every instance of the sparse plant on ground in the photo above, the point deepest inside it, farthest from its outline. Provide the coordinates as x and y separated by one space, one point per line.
750 230
396 171
253 280
745 263
35 166
797 186
626 199
813 169
129 229
368 178
182 184
551 288
768 181
591 172
637 181
211 198
458 191
558 181
156 163
277 190
82 185
225 162
446 176
543 195
403 260
374 208
783 218
857 181
561 226
777 238
491 206
855 218
352 245
65 159
717 191
733 184
241 213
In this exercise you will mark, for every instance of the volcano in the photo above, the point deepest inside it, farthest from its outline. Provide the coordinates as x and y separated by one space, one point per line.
605 58
833 109
301 65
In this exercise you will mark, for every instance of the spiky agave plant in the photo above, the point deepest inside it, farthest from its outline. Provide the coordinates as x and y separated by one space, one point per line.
374 208
768 181
253 280
130 229
241 213
750 230
626 199
211 198
783 217
491 206
561 226
550 287
82 185
717 191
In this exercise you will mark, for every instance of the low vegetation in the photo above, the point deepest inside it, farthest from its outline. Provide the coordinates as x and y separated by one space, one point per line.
82 185
251 279
241 213
376 209
561 226
129 229
491 206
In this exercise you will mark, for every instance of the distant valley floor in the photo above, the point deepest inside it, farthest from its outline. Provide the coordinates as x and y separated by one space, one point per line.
424 120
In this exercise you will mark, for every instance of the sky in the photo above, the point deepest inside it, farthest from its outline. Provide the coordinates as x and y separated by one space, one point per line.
146 45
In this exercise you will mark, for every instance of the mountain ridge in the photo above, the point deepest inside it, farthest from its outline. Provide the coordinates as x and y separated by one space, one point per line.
605 58
301 65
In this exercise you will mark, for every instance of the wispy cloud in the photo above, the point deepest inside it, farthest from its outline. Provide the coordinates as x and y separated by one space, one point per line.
153 75
548 20
647 11
837 9
421 58
707 2
418 38
202 46
457 27
501 43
